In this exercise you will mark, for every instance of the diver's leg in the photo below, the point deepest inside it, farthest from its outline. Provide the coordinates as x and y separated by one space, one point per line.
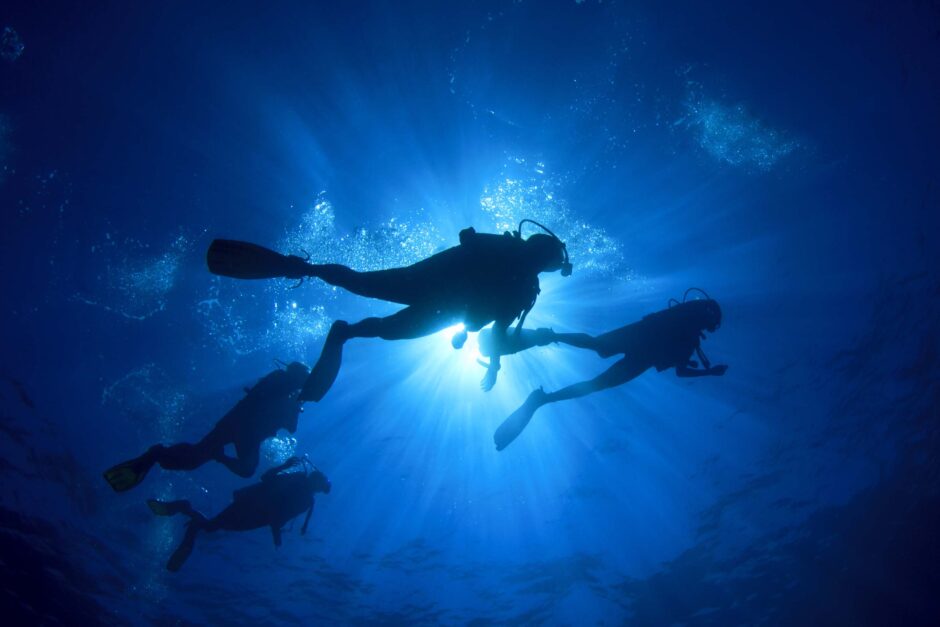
398 285
197 522
128 474
407 324
245 462
188 456
183 551
618 374
621 372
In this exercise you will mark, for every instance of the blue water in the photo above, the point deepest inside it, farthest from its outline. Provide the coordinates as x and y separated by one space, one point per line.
783 157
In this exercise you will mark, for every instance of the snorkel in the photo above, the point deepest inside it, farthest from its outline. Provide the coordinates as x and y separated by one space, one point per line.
566 266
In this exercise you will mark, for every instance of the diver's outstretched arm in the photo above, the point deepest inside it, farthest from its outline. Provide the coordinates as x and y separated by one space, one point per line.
618 374
500 337
270 473
498 334
578 340
512 343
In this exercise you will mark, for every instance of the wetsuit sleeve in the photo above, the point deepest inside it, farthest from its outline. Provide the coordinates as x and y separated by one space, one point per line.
676 351
271 473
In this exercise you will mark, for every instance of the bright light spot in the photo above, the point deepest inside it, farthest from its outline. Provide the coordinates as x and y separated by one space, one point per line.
467 356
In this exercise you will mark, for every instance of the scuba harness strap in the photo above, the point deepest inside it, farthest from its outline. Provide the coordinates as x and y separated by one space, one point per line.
701 355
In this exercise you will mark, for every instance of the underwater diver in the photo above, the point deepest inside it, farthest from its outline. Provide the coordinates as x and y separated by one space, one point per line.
662 340
486 278
279 497
268 406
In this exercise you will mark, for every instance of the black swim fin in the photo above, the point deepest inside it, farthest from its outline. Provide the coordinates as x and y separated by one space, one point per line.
510 429
184 550
127 474
244 260
327 367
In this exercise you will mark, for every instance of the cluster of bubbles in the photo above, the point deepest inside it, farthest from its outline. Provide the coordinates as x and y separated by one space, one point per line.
221 317
279 323
524 191
137 285
730 134
147 397
11 46
151 400
295 326
277 450
388 244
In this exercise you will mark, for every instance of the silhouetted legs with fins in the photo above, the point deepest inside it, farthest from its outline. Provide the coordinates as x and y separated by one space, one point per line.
197 522
408 324
184 456
621 372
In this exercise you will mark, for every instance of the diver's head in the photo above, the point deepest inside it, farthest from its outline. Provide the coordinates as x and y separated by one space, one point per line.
705 313
297 372
317 482
548 253
546 250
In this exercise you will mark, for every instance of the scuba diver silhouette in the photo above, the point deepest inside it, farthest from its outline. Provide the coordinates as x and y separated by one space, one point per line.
661 340
279 497
268 406
486 278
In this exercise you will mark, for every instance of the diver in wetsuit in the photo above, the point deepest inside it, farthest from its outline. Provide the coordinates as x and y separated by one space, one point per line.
487 278
279 497
662 340
268 406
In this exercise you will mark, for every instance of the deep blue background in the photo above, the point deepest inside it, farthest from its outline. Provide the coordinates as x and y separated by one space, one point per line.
782 157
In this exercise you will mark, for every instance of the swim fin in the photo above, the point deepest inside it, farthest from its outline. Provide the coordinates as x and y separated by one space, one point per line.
126 475
184 550
510 429
327 367
244 260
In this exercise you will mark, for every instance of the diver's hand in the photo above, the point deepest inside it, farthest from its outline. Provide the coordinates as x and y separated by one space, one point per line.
489 379
717 371
543 336
459 339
